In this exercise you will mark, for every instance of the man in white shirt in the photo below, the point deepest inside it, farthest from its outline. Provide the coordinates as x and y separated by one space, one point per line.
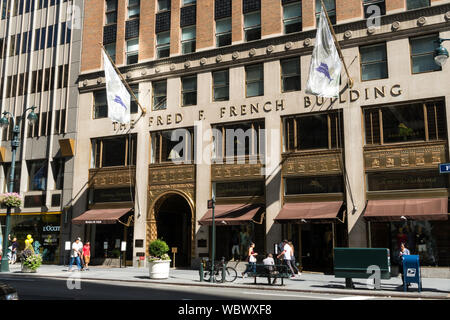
75 254
287 252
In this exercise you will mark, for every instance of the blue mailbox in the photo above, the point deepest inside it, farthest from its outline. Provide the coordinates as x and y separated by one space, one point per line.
411 271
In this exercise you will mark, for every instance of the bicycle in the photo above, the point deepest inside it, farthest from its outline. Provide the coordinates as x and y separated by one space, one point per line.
230 272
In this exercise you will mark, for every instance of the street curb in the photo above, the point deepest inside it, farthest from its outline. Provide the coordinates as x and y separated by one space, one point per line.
345 292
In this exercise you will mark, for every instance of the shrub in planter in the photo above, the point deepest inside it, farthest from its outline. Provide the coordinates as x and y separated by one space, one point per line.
30 260
11 199
158 250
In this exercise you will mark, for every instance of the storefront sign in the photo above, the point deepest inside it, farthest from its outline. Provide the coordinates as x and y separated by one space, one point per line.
444 168
50 228
93 222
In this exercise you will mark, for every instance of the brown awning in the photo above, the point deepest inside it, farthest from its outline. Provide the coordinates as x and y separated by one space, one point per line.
411 209
100 216
233 214
313 211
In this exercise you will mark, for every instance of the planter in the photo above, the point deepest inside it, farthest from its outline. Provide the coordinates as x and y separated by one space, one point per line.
159 269
26 269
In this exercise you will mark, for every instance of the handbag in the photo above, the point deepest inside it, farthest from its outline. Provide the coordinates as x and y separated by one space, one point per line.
251 259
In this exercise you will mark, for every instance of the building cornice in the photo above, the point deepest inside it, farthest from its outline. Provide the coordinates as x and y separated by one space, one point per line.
392 26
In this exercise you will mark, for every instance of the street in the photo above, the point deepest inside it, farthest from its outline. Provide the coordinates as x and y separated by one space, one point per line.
30 288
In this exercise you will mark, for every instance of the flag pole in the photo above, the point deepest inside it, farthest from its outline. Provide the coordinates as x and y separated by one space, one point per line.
144 111
350 80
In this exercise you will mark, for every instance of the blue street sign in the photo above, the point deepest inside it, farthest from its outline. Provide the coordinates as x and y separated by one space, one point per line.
444 168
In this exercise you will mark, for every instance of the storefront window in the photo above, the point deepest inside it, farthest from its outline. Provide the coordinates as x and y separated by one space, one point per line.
423 179
44 229
238 189
403 123
112 195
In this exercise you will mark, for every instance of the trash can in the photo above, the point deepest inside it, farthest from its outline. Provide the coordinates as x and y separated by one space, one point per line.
411 271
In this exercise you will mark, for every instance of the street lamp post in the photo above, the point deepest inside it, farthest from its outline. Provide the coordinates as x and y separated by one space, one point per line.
212 205
15 143
440 53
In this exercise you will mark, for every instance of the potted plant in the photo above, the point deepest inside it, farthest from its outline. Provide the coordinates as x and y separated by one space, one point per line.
11 199
30 260
159 260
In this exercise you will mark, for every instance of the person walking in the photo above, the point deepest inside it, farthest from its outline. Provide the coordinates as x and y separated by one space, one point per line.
75 254
294 265
87 255
287 256
14 247
251 260
235 246
403 252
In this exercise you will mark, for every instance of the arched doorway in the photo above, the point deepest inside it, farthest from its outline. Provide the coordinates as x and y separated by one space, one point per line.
173 217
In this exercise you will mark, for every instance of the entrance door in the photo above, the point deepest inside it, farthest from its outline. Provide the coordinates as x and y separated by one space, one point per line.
317 247
173 222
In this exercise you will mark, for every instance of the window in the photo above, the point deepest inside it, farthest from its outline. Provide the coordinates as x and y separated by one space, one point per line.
370 10
111 50
422 54
163 44
134 8
163 5
221 85
132 51
292 17
133 104
416 4
315 184
242 139
238 189
189 90
111 12
100 104
186 2
290 74
373 62
188 35
114 152
58 173
172 145
318 131
223 32
159 95
331 10
254 80
37 175
422 121
252 26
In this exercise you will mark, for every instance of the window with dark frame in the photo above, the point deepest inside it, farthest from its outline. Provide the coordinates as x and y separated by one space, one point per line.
292 17
419 121
132 51
114 152
373 62
223 32
416 4
111 50
254 80
133 104
252 26
228 142
163 44
309 132
172 145
163 5
370 10
37 175
331 10
134 9
189 90
422 54
221 85
159 95
188 36
100 104
290 74
111 12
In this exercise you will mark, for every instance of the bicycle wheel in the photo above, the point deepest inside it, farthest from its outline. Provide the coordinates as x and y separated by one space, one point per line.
230 274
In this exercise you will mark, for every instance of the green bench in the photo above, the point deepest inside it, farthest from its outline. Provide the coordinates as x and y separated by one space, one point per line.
270 272
361 263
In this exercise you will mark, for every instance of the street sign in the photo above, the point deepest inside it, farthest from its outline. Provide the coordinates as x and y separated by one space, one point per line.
211 204
444 168
174 250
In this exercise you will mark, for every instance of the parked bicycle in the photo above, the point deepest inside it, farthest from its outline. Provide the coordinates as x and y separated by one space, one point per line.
230 272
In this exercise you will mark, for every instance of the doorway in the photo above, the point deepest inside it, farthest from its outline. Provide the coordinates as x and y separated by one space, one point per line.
174 225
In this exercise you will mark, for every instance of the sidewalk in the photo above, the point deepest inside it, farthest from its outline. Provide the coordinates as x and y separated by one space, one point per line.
432 288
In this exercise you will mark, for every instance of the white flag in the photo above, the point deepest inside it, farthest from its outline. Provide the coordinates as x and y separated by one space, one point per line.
117 95
325 69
